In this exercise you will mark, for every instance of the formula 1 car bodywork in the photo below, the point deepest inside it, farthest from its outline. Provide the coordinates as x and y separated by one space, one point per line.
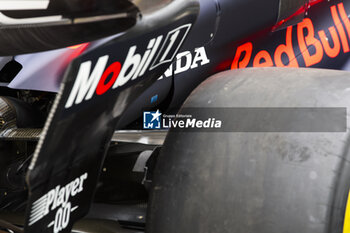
61 110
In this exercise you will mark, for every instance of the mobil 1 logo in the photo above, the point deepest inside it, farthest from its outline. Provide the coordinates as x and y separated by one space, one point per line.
171 45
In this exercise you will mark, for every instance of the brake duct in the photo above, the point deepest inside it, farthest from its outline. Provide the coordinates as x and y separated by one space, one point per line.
12 126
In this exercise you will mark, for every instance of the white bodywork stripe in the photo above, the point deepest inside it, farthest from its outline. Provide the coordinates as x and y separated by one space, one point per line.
46 19
24 4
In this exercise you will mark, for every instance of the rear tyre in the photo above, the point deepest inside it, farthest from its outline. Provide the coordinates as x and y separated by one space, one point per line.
256 182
